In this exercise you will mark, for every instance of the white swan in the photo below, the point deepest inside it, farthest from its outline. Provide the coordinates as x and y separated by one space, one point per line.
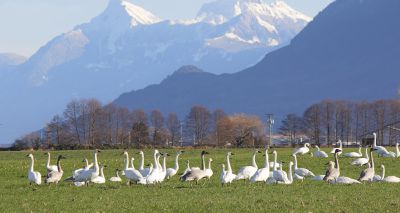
338 150
172 171
87 175
368 173
163 172
301 171
187 168
397 150
262 174
87 167
55 176
361 161
152 178
302 150
227 177
290 174
49 167
142 170
389 179
247 172
382 151
280 176
100 179
345 180
116 178
132 174
196 174
33 176
319 153
209 171
354 154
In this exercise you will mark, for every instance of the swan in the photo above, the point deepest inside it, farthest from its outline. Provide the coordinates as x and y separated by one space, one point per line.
87 167
354 154
33 176
209 171
345 180
87 175
397 150
222 178
340 149
361 161
152 178
333 171
368 173
163 172
187 168
100 179
196 174
131 173
49 167
301 171
302 150
290 177
55 176
247 172
262 174
172 171
142 170
389 179
229 176
319 153
116 178
382 151
280 176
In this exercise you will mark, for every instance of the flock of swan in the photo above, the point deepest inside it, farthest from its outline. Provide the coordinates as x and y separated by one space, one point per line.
271 173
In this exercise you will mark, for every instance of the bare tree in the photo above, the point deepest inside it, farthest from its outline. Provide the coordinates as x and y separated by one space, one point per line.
173 126
157 122
292 125
198 124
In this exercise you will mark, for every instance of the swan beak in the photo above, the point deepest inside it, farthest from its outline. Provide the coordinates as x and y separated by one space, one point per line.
26 155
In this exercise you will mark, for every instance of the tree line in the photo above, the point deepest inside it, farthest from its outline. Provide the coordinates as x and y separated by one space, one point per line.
88 124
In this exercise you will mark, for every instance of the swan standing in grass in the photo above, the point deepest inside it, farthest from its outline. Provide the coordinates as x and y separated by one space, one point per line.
172 171
302 150
228 176
319 153
280 176
116 178
247 172
33 176
55 176
290 174
152 177
49 167
132 174
368 173
100 179
196 174
354 154
142 170
163 173
333 171
262 174
87 175
389 179
361 161
301 171
338 150
187 168
382 151
209 171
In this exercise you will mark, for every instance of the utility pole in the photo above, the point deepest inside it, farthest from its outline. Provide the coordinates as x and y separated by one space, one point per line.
270 123
181 139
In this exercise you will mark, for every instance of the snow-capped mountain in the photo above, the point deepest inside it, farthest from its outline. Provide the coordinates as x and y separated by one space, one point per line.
127 47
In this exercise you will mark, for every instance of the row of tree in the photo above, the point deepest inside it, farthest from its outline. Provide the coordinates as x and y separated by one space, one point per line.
89 124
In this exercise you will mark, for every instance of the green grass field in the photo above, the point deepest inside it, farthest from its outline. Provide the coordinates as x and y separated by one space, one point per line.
174 196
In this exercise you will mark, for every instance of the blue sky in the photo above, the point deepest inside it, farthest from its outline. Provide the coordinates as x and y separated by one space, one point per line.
28 24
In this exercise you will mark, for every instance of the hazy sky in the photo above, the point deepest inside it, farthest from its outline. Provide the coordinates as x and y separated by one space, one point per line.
26 25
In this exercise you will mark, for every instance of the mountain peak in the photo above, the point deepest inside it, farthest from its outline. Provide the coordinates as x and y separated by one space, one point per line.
188 69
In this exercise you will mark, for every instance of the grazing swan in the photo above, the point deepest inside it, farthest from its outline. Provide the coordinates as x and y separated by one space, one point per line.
100 179
172 171
333 171
340 149
132 174
55 176
262 174
354 154
302 150
319 153
247 172
228 177
389 179
87 175
196 174
116 178
49 167
33 176
368 173
382 151
361 161
209 171
280 176
142 170
301 171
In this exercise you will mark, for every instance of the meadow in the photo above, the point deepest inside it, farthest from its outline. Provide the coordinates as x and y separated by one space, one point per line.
175 196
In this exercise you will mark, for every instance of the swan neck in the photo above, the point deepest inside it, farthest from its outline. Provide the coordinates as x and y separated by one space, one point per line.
209 164
290 174
177 162
295 161
96 164
374 140
126 161
132 165
228 162
372 162
48 159
366 153
32 164
275 160
266 160
253 160
141 161
87 163
59 165
102 172
164 163
337 161
383 173
203 162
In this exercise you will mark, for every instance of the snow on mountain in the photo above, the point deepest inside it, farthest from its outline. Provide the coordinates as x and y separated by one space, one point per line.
127 47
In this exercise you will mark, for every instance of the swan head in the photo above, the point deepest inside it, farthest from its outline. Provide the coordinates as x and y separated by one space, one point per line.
125 153
84 160
274 152
223 166
204 153
374 134
210 160
291 163
165 154
257 151
47 153
382 166
29 155
179 152
337 150
141 152
307 145
230 153
132 158
156 151
61 157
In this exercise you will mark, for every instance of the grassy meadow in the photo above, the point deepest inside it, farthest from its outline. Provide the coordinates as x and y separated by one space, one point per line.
174 196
